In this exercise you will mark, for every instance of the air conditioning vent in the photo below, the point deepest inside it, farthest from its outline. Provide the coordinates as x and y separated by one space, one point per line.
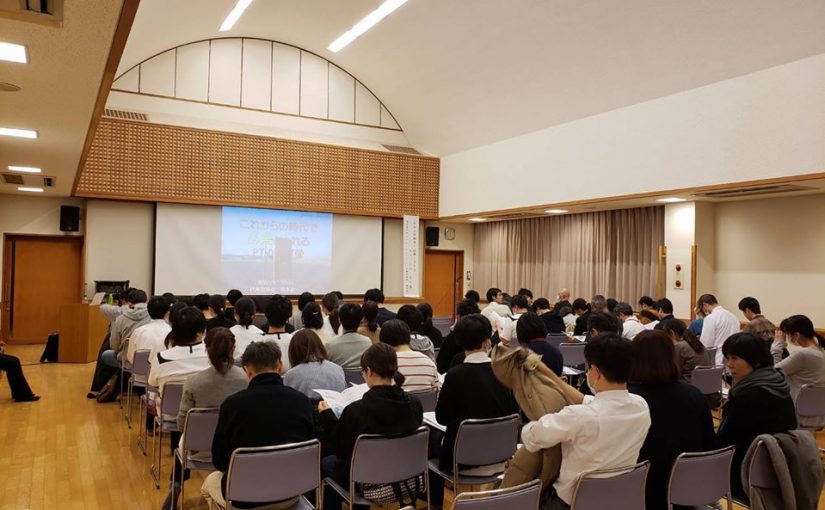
48 182
753 191
12 179
402 150
47 12
123 114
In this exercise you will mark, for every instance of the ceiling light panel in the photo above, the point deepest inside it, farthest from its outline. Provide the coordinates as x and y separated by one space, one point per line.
30 190
25 169
671 200
556 211
11 52
234 15
369 21
477 220
18 133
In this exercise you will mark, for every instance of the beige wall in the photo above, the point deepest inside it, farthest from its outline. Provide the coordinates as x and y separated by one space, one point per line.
773 250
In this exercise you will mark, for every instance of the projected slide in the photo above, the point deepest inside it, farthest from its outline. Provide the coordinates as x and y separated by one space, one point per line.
266 251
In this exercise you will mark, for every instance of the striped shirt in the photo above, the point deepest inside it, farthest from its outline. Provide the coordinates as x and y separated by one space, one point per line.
419 371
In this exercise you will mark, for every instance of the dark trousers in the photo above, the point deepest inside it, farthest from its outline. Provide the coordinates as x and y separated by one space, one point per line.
331 498
20 389
102 372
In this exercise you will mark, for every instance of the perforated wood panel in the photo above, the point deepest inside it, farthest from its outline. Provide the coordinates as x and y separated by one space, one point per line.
131 160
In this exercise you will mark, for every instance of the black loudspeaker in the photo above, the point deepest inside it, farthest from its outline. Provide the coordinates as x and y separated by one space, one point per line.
69 218
432 236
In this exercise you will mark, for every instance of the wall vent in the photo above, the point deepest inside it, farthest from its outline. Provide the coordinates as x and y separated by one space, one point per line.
402 150
753 191
48 182
12 179
46 12
123 114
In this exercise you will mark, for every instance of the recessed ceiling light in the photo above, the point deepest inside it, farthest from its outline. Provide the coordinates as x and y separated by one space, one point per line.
19 133
671 200
11 52
30 190
369 21
25 169
556 211
477 219
234 15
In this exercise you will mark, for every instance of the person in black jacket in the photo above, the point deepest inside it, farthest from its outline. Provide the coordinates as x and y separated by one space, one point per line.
384 409
377 295
215 317
581 308
759 401
449 347
553 321
267 413
530 328
427 329
680 416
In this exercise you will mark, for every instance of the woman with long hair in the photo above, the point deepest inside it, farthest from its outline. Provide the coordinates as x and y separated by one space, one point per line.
690 352
313 319
369 323
332 322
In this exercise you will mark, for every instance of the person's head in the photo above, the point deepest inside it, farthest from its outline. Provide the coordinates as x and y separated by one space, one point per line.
340 295
467 307
175 309
798 330
245 311
304 299
745 353
374 295
220 347
379 365
233 296
519 303
645 303
664 308
611 305
135 297
410 315
305 347
598 303
565 310
170 297
395 333
157 307
426 311
749 307
216 304
761 327
603 322
623 311
610 360
189 326
526 293
311 316
530 327
201 302
494 295
330 302
370 310
564 295
676 330
278 311
473 332
473 296
541 305
263 357
580 306
706 303
350 315
654 359
647 316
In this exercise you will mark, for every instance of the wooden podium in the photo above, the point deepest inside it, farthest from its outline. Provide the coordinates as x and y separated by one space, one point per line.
82 329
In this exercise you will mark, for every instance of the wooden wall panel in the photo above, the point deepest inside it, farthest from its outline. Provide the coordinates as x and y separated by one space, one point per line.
142 161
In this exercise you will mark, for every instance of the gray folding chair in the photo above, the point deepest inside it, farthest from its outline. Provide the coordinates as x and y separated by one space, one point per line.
371 464
557 339
521 497
700 479
810 403
170 399
353 376
483 442
707 379
198 431
573 354
275 473
139 368
428 399
760 471
618 489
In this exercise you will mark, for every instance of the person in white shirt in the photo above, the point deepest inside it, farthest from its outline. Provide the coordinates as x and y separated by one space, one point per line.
187 354
245 333
150 336
630 324
495 306
278 311
518 306
604 431
718 325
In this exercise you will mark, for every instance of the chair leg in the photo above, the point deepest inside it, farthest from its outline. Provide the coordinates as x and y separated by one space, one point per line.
128 414
143 434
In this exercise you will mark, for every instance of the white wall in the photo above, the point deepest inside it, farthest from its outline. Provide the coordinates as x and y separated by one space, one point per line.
33 215
119 243
766 124
680 225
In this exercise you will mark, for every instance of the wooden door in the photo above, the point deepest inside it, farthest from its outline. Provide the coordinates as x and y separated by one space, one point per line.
44 273
443 284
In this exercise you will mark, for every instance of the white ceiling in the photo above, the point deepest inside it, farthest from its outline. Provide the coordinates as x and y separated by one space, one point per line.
462 73
59 89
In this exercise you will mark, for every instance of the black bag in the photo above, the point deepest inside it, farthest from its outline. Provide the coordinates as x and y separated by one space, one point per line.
404 492
50 352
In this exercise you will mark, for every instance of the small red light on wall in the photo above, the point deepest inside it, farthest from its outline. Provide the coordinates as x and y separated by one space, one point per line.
678 267
678 284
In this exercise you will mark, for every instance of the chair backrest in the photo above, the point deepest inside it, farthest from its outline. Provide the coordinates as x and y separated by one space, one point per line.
573 354
810 403
170 398
141 364
486 441
199 429
443 324
353 376
557 339
700 478
761 472
712 354
371 464
295 467
428 399
707 379
521 497
617 489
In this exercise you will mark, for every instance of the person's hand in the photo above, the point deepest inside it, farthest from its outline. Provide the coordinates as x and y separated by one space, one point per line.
322 406
778 335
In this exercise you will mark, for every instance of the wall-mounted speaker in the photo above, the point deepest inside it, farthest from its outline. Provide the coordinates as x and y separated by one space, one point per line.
69 218
432 236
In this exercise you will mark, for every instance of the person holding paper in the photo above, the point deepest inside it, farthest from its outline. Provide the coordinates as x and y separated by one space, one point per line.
384 409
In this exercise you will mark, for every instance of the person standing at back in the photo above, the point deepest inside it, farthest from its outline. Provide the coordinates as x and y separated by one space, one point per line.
718 326
245 333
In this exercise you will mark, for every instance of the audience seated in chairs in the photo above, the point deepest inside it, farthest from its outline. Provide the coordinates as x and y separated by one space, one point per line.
311 368
278 311
346 350
122 328
806 363
418 369
414 319
232 298
377 296
152 335
297 320
384 409
690 352
313 319
215 316
427 329
630 323
185 353
553 320
530 328
451 353
249 418
329 306
245 333
369 323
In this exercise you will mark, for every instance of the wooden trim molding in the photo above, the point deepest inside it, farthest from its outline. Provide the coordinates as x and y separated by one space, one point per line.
693 276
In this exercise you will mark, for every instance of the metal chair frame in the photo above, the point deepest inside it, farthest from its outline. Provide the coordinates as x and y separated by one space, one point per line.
619 471
139 362
531 486
157 437
687 456
182 453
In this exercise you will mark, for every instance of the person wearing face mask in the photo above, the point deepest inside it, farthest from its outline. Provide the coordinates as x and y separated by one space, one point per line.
595 432
806 362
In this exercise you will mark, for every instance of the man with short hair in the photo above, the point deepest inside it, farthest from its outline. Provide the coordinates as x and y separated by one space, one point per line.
598 304
137 315
495 309
718 325
604 431
214 313
267 413
377 295
518 306
582 310
749 306
151 336
630 324
346 350
759 325
646 303
278 311
551 317
201 302
232 297
663 309
602 322
528 294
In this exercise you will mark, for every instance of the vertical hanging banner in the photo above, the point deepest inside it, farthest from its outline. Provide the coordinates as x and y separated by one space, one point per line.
412 280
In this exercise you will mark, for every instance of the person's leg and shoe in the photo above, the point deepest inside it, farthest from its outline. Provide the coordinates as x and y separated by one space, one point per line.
20 389
102 372
211 490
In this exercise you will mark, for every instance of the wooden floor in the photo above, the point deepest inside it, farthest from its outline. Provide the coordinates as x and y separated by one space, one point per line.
71 453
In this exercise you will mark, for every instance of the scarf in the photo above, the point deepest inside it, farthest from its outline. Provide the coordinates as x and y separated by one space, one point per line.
768 378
